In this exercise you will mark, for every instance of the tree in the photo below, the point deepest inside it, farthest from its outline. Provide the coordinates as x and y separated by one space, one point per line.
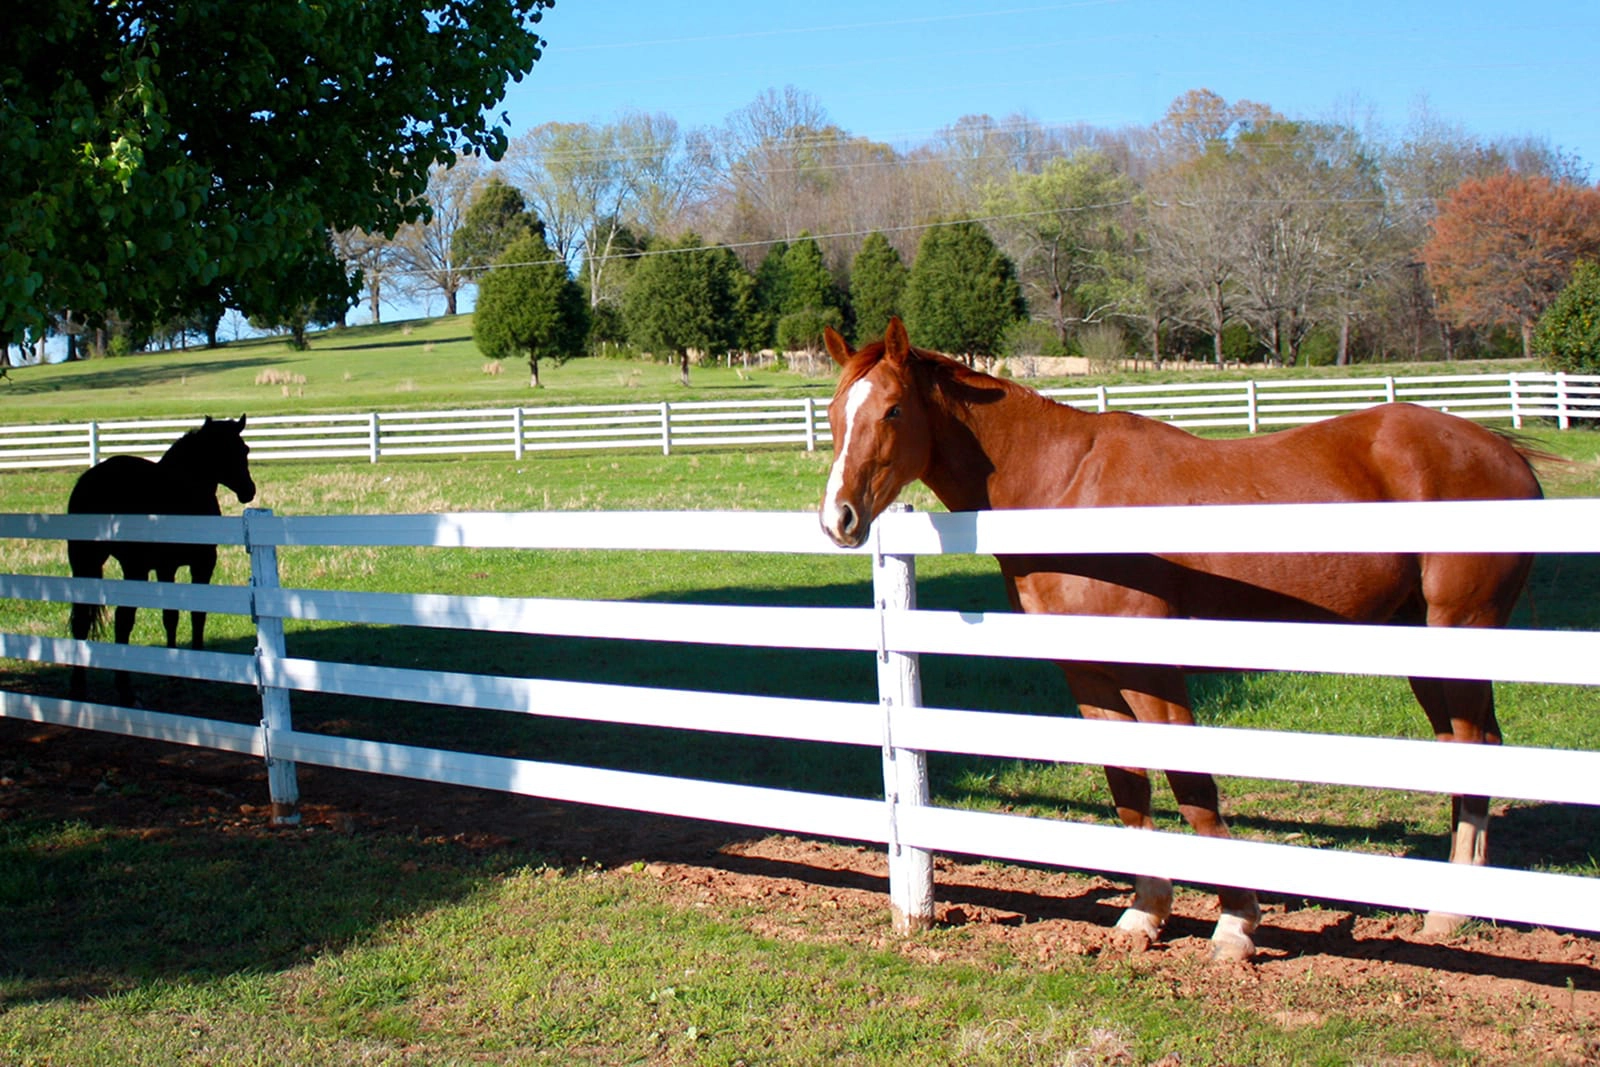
373 255
1061 226
1568 334
807 285
529 306
877 287
1504 246
962 292
298 307
425 250
162 156
684 298
496 216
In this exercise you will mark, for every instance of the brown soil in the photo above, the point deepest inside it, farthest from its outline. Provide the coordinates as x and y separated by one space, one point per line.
1509 993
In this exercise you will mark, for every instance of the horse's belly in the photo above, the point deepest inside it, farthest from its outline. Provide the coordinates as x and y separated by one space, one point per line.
1365 587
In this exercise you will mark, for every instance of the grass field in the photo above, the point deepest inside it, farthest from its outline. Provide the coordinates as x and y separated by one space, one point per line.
127 948
433 363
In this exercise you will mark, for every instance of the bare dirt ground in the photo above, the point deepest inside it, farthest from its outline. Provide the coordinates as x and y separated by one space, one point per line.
1314 957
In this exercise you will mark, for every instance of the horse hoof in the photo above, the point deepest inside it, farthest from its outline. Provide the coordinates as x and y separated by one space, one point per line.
1232 948
1441 924
1231 941
1137 924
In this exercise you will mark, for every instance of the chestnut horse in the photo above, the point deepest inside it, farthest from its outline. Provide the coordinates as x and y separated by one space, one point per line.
183 482
902 414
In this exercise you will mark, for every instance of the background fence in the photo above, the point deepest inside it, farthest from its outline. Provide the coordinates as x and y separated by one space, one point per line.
897 633
801 422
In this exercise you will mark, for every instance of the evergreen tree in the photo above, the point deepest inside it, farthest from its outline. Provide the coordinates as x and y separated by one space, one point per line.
807 284
530 307
768 296
684 297
877 287
962 292
496 215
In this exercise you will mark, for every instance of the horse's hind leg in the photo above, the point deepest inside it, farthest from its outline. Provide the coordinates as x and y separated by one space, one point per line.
1461 711
86 560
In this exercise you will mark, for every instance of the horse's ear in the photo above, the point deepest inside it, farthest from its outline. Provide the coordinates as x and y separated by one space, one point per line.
242 417
836 346
207 422
896 345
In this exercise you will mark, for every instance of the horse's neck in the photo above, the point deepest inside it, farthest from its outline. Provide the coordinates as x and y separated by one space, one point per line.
1014 452
184 466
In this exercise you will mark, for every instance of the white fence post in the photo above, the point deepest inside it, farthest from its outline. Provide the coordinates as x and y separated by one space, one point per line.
1388 391
94 443
1516 402
516 432
905 771
372 437
666 428
282 781
1252 415
1101 401
811 423
1563 420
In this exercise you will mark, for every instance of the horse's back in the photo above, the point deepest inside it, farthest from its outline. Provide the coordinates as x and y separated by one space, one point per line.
1394 452
133 485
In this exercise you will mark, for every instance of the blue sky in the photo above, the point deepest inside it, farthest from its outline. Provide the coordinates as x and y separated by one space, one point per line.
897 71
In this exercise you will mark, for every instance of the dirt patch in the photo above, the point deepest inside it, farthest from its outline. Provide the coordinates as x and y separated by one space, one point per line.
1315 957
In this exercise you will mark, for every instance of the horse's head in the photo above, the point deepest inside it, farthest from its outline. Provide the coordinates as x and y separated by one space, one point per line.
881 437
227 456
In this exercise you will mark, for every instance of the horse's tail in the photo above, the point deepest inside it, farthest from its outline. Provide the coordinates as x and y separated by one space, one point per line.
1534 456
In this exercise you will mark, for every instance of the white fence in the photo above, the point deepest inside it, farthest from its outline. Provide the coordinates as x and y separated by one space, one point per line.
799 422
897 633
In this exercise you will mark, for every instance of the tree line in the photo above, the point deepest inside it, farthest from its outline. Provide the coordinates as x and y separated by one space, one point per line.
1225 231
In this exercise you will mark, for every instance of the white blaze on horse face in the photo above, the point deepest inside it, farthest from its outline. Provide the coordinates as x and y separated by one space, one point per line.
832 512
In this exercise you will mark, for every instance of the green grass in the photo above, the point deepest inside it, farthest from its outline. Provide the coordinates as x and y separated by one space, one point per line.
430 363
203 946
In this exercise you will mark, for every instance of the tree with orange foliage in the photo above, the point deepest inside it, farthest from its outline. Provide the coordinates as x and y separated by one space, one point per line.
1504 246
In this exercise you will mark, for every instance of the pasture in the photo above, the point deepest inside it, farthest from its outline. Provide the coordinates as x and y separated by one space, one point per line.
151 917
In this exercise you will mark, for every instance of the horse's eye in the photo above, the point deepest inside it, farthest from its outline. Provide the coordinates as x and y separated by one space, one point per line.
894 412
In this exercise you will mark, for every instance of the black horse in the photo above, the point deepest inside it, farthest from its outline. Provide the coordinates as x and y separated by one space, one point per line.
183 482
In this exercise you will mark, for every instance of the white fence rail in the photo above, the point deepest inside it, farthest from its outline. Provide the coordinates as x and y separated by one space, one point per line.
802 422
897 633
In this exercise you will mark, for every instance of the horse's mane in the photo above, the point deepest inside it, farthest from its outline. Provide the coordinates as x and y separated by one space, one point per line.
956 382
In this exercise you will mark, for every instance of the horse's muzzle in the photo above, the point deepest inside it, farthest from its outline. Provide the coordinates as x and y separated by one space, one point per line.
844 525
245 492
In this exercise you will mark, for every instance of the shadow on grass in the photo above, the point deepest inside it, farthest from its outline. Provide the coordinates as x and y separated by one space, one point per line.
93 911
112 374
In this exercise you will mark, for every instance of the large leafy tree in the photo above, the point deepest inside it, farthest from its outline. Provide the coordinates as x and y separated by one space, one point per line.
1062 226
684 297
164 154
962 292
529 306
1504 246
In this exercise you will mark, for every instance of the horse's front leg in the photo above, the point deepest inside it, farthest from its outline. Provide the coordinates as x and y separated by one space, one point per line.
201 567
169 616
1460 711
1160 695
